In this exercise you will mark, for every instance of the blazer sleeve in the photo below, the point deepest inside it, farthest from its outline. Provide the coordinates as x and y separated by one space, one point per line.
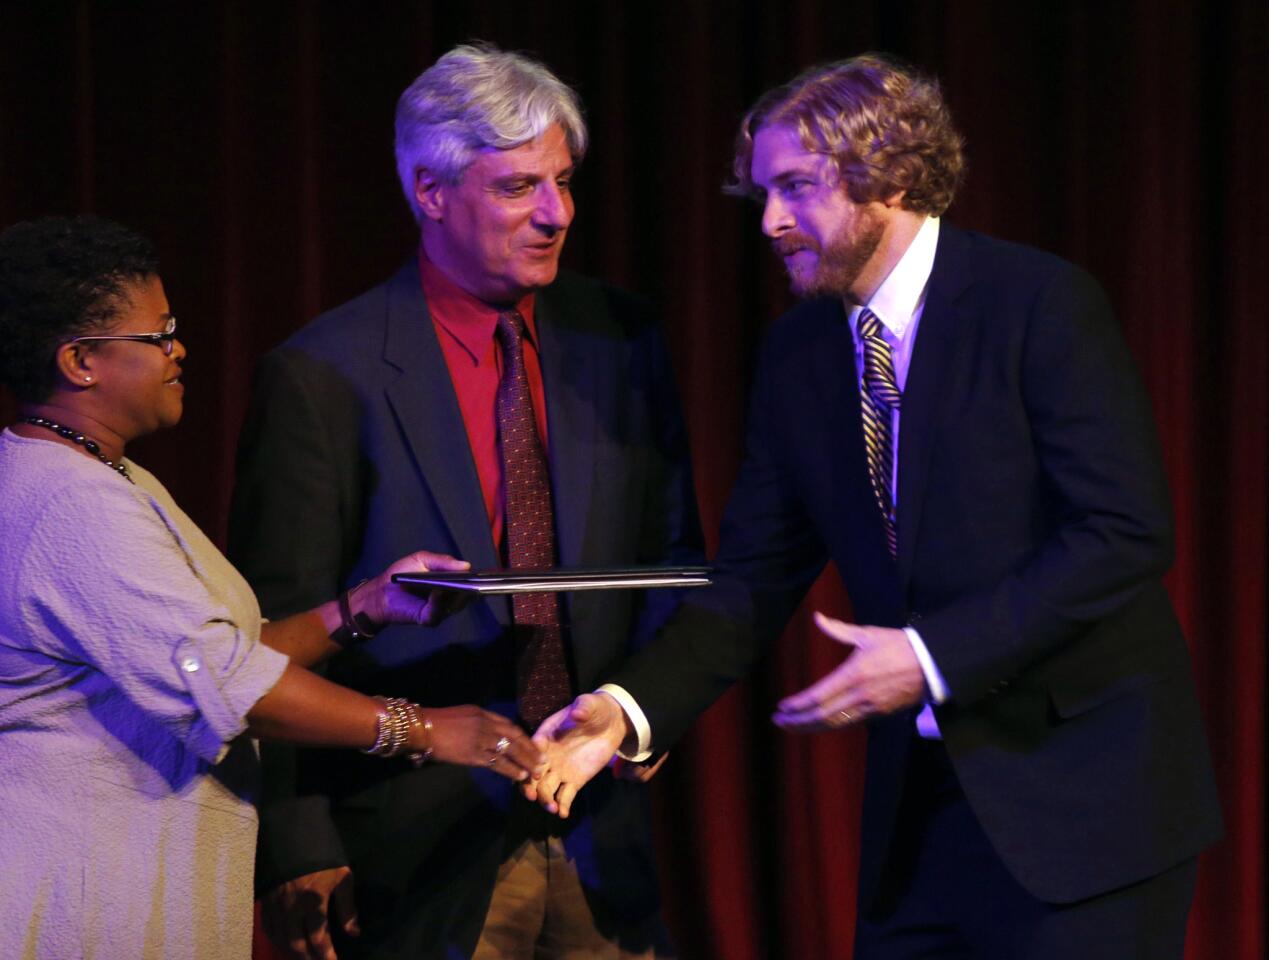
769 556
287 488
1109 528
669 523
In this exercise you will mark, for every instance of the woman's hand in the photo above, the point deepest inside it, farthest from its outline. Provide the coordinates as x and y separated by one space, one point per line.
309 638
474 737
383 601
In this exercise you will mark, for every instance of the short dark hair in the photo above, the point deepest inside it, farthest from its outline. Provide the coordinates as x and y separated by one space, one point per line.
61 277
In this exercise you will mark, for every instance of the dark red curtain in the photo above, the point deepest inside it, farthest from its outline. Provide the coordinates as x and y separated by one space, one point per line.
253 142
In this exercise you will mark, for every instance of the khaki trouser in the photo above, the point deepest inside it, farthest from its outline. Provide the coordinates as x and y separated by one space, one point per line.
539 912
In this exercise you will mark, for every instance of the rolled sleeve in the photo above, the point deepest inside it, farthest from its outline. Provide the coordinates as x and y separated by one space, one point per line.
109 581
222 697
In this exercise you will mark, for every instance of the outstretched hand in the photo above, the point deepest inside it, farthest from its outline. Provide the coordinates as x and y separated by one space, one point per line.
386 602
881 674
578 741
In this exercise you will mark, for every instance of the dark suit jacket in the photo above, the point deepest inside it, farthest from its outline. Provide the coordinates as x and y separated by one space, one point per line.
354 453
1034 527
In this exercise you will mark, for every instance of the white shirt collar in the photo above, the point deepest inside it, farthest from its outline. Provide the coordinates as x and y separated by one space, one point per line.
897 299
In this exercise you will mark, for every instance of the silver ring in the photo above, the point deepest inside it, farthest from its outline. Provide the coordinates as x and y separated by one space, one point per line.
501 746
846 716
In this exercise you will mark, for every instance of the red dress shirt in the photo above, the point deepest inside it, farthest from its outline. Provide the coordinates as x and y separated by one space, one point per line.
465 328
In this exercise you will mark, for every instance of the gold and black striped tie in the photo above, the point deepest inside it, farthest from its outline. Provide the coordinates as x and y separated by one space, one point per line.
879 400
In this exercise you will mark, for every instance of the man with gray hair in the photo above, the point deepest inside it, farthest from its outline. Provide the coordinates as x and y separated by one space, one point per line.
484 403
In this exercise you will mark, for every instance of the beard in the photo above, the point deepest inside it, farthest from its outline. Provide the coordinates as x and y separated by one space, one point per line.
838 265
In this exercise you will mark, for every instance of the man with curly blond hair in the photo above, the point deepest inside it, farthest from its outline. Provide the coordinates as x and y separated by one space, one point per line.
957 423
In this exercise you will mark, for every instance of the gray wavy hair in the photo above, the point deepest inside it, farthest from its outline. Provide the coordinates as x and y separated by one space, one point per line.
473 98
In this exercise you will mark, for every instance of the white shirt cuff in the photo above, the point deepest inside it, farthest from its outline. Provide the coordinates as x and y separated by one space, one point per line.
934 681
643 732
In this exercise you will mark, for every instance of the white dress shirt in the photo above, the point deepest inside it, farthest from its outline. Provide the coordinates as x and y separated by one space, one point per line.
898 304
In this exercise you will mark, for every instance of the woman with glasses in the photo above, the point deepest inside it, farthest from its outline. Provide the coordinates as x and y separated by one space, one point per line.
134 666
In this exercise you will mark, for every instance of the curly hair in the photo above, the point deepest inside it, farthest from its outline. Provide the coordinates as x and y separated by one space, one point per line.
61 277
886 128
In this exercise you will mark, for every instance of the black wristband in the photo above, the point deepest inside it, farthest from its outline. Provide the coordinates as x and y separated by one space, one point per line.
354 628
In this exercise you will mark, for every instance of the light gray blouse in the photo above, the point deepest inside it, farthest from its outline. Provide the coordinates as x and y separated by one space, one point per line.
129 656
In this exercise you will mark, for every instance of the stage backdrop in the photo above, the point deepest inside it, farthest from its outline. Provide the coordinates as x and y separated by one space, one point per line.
253 142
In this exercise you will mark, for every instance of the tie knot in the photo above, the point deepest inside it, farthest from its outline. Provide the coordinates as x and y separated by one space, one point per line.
869 325
510 329
879 377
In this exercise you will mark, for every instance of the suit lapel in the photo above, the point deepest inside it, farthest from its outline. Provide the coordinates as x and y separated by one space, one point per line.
426 408
944 321
837 386
839 394
570 372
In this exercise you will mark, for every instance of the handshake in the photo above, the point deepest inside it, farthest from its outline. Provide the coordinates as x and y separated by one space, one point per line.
577 742
569 747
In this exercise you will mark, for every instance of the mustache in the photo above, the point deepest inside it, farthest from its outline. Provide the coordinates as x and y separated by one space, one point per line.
791 243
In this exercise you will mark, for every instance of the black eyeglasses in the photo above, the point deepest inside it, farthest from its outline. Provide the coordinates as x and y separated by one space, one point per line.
162 340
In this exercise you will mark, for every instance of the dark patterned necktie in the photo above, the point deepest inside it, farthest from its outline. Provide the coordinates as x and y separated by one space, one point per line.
542 684
879 399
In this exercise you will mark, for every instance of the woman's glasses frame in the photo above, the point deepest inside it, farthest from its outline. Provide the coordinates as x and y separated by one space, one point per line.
161 340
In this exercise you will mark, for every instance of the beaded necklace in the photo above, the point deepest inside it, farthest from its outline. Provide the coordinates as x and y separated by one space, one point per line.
87 443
